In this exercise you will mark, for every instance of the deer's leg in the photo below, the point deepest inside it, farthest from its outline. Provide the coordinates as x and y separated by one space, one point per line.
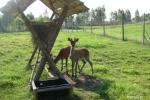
76 70
66 65
88 60
73 68
84 62
61 64
79 67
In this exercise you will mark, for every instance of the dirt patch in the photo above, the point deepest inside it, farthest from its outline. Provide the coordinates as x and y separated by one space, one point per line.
86 82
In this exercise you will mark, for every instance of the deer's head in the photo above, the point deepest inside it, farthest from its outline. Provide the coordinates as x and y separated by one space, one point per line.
73 41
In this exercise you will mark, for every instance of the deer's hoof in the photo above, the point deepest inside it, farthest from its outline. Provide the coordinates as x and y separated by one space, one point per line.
67 73
75 77
72 75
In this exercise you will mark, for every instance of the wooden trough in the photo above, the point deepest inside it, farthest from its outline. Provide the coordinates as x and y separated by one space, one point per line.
51 89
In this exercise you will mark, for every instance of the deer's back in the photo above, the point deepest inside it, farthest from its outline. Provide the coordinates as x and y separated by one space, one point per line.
64 52
82 52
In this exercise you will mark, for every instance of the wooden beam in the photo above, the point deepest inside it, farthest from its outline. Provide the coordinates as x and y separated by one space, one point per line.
52 16
51 5
31 58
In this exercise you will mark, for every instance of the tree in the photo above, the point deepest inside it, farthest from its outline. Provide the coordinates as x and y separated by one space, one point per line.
1 25
100 15
78 19
45 15
70 21
40 18
19 24
92 17
137 16
30 16
114 16
127 16
147 17
120 12
5 20
86 18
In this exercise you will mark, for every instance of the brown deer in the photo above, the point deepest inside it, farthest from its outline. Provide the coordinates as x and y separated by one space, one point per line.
78 54
64 53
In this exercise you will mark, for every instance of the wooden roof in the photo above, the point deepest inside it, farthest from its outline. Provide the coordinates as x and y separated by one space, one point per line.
74 6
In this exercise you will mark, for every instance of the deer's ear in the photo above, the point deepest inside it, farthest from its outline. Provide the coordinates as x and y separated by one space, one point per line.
77 39
68 39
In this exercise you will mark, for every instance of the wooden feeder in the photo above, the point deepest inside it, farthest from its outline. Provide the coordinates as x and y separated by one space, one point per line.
45 34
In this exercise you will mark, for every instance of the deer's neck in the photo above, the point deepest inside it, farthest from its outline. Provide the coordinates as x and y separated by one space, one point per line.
72 51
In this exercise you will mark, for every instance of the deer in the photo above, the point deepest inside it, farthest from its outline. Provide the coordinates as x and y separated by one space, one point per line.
64 53
78 54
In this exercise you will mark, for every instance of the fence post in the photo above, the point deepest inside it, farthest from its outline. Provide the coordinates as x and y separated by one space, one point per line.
72 26
104 32
91 27
143 41
122 22
85 26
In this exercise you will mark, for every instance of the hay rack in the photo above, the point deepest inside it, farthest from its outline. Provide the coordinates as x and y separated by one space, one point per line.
45 34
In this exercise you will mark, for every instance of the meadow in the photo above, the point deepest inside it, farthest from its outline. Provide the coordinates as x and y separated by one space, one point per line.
121 69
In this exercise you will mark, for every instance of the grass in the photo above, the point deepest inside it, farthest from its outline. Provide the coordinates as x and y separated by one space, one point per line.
121 68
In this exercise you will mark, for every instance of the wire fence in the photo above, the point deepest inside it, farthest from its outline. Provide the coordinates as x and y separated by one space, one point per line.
138 32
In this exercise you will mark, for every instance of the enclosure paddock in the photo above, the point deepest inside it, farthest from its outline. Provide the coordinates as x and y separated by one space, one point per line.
44 34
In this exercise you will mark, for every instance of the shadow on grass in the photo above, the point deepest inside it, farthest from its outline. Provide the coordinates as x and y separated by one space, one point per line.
94 46
74 97
90 83
6 84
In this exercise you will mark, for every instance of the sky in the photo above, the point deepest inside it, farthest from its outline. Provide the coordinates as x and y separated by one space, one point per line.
110 5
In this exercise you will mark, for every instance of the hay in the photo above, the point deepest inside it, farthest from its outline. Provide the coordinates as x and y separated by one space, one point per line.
75 6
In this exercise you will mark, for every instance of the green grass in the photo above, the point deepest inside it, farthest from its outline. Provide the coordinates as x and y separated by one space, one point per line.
122 69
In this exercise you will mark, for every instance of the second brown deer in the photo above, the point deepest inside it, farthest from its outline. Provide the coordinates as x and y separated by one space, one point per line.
78 54
64 53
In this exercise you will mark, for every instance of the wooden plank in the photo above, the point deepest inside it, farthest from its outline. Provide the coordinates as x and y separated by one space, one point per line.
31 58
69 80
49 72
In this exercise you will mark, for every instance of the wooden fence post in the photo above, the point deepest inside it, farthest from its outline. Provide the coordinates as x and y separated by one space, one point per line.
143 40
91 27
72 26
104 32
122 22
